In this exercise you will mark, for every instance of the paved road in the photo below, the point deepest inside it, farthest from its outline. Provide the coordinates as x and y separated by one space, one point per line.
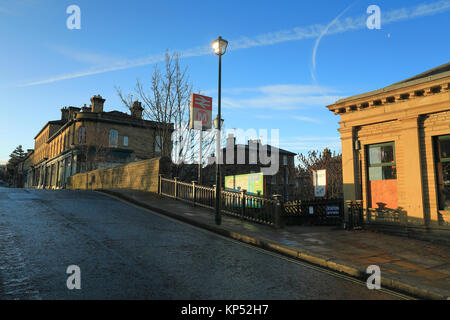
129 253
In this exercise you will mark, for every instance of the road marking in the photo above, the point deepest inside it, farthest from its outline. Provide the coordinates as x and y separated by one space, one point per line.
271 253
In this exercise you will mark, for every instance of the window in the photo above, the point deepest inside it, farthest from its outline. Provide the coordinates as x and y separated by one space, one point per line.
82 135
113 138
158 144
442 148
381 160
125 141
382 174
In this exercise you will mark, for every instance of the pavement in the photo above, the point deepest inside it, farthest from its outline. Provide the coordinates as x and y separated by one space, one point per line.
414 267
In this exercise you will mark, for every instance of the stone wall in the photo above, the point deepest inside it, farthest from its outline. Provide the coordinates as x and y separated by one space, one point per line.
141 175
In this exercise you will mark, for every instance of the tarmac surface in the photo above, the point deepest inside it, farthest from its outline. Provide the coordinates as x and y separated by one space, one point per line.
414 267
127 252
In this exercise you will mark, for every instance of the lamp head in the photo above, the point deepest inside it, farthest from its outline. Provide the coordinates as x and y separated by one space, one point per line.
216 123
220 46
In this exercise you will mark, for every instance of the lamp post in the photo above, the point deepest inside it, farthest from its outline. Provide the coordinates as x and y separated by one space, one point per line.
220 47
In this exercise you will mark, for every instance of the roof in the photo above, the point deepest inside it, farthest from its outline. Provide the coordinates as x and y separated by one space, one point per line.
439 72
269 149
58 122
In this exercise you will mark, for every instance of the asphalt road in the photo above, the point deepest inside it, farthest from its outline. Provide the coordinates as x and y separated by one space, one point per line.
125 252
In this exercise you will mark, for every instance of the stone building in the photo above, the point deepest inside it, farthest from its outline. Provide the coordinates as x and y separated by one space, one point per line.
89 138
23 174
241 162
396 151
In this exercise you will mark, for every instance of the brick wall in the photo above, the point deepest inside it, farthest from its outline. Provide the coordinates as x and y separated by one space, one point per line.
141 175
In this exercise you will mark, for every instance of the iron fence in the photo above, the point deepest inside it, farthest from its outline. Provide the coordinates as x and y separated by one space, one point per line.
314 212
238 204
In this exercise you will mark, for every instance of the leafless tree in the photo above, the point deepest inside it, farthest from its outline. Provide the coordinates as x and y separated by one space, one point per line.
95 146
167 101
316 160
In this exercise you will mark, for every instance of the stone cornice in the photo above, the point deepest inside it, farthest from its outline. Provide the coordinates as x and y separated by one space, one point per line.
391 97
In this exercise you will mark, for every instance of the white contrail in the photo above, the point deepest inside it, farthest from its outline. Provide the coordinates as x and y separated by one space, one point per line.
316 45
295 34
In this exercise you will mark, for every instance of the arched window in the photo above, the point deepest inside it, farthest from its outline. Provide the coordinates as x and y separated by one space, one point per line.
82 135
113 138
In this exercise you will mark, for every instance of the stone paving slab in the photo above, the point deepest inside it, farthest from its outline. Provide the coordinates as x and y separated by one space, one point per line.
416 267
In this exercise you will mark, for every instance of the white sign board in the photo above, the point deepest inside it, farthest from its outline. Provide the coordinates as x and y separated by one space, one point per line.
320 183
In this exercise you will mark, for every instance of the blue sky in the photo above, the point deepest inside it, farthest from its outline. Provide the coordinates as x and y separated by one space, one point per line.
269 79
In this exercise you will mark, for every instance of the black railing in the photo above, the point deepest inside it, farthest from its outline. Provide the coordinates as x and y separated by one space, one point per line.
237 204
314 212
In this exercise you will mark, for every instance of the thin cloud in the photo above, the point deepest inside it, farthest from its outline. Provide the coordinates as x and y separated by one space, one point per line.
279 97
295 34
87 57
6 11
307 119
322 34
304 144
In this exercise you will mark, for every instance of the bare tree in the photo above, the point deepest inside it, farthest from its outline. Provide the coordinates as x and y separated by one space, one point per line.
167 101
95 146
316 160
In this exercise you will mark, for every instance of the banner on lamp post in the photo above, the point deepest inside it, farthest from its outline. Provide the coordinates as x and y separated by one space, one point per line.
201 112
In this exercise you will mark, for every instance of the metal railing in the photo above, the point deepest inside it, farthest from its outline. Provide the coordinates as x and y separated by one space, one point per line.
238 204
314 211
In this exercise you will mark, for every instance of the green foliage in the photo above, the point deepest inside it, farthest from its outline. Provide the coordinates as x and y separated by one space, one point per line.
15 157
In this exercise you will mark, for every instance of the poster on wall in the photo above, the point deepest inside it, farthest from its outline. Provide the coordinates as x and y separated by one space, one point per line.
253 183
320 183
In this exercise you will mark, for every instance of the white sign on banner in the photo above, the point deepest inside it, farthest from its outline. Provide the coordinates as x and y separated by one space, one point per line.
320 183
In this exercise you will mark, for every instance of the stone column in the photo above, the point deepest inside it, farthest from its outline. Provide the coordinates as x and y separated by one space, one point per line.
409 174
349 177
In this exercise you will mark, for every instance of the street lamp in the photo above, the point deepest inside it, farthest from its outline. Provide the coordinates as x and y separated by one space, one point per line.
220 47
216 123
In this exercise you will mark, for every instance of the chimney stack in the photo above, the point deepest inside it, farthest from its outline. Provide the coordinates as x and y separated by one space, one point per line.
136 110
72 112
65 114
97 103
85 108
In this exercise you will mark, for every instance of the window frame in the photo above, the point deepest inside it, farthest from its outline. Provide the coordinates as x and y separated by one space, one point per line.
438 162
381 164
82 135
158 144
116 139
439 139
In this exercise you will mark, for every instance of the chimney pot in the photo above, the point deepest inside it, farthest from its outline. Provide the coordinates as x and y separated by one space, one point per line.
65 114
136 109
97 103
